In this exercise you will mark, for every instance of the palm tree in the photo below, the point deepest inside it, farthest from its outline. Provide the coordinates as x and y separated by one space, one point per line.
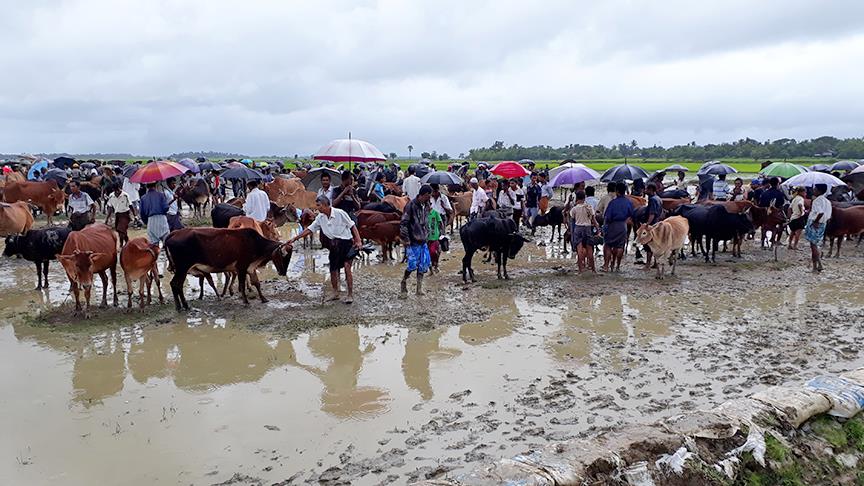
410 148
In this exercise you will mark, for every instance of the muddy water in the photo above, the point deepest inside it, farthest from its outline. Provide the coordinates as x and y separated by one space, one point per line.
198 398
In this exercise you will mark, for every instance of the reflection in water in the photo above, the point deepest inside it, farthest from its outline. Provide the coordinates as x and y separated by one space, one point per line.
420 349
342 396
498 326
98 371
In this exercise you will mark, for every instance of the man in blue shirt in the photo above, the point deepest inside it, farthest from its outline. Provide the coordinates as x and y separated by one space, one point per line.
154 211
618 212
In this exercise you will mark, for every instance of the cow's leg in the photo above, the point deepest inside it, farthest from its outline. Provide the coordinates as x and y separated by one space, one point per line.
498 261
104 278
504 263
241 284
113 270
73 287
154 276
39 275
713 243
45 274
177 288
254 277
143 282
128 290
839 242
466 265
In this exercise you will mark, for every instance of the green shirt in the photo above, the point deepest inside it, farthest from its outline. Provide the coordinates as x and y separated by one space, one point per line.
435 225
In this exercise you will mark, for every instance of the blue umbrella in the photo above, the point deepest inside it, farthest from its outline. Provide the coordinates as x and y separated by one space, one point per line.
209 166
820 168
38 166
573 176
843 165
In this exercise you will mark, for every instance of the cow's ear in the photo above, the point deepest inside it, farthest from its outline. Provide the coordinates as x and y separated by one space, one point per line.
68 263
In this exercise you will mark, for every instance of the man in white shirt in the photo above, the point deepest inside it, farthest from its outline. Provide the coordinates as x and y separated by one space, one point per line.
440 203
82 206
344 238
411 184
325 186
820 213
478 200
257 203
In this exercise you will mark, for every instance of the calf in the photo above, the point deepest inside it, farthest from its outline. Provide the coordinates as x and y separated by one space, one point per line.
307 217
398 202
768 219
92 250
215 250
264 228
844 222
554 218
38 246
381 207
384 233
461 203
15 218
499 235
138 261
665 239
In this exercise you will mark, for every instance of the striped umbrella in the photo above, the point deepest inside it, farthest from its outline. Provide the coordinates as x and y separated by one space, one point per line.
157 171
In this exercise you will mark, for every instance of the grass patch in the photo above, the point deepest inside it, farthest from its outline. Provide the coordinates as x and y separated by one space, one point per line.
775 450
854 429
830 430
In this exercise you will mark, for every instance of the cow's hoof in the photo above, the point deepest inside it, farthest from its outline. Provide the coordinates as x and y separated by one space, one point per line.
264 300
506 277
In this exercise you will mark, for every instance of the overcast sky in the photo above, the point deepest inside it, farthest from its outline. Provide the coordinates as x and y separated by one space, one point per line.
285 76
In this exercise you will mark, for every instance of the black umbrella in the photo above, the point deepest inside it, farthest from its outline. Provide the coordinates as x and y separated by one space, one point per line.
623 172
244 173
716 169
129 170
64 162
209 166
421 170
844 165
312 180
57 175
441 177
87 165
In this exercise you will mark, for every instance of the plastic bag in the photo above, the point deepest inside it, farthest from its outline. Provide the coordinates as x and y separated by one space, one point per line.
638 475
755 443
797 405
847 398
674 462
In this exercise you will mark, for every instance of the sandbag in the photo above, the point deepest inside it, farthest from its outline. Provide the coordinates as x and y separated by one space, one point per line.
745 410
796 404
847 398
856 376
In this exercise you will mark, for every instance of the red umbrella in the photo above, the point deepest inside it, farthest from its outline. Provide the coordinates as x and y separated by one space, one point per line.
509 170
157 171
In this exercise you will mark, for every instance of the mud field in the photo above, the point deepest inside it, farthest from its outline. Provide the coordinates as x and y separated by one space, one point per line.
387 391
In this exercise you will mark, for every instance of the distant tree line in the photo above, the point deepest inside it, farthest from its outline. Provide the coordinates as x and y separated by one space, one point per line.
831 147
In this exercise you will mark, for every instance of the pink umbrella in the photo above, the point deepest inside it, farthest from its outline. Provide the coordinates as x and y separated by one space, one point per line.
509 170
349 150
157 171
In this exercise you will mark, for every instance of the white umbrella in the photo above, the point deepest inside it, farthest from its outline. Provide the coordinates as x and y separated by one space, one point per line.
810 179
349 150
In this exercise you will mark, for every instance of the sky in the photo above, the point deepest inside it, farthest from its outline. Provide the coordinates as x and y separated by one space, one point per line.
284 77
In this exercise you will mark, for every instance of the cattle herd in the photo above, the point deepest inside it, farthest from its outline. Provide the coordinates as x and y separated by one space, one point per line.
237 245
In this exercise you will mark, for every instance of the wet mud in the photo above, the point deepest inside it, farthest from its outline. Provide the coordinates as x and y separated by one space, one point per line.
388 391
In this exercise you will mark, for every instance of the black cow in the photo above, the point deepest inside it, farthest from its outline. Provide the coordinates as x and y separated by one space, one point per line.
216 250
222 213
499 235
715 224
38 246
381 207
554 218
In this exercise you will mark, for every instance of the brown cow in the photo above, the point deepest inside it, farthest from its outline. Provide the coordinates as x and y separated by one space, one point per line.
391 188
215 250
195 193
665 239
733 207
265 228
306 219
398 202
15 218
47 196
90 251
671 204
461 203
637 201
844 222
290 191
138 261
769 219
384 233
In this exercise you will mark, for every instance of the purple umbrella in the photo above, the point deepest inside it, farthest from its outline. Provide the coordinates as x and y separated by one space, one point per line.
190 164
573 176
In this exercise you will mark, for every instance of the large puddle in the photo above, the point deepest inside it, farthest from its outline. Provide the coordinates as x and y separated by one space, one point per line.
197 399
